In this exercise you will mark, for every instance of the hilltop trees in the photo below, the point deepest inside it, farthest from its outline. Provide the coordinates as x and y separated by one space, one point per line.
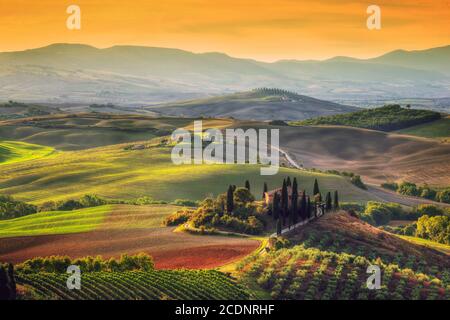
247 185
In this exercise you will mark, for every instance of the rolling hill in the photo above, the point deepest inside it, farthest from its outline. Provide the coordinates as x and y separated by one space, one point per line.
258 104
134 76
376 156
81 131
15 151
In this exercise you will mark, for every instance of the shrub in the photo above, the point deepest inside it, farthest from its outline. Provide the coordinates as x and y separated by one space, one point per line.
378 213
178 218
88 201
443 196
69 205
57 264
429 210
390 185
409 189
185 203
356 180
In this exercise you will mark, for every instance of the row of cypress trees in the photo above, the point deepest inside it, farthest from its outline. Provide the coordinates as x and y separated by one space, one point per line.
7 282
286 213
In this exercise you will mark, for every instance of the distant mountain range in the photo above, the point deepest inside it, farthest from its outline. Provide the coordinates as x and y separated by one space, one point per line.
258 104
133 76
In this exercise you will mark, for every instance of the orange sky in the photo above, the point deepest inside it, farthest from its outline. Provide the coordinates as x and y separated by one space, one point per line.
260 29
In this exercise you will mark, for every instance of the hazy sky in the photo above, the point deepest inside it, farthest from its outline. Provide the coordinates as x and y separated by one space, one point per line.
260 29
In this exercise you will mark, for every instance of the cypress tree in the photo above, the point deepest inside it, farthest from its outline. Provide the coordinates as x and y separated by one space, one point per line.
247 185
303 212
284 201
11 282
265 189
336 200
294 205
230 200
278 227
308 206
4 290
316 187
276 206
288 182
328 204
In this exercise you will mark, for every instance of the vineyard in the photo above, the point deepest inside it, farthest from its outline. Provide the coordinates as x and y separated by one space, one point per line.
300 273
331 265
135 285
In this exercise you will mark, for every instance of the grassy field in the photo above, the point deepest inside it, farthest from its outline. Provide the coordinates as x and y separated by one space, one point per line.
439 129
428 243
12 152
118 172
56 222
89 219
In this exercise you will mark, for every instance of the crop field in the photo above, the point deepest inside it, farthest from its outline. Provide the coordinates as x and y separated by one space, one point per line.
137 285
12 152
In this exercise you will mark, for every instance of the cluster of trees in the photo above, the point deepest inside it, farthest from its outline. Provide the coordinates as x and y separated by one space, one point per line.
424 191
11 208
55 264
7 282
236 210
434 228
87 201
387 118
289 211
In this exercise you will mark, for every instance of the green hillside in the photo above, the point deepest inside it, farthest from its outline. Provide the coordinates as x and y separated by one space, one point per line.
437 129
15 151
130 172
387 118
